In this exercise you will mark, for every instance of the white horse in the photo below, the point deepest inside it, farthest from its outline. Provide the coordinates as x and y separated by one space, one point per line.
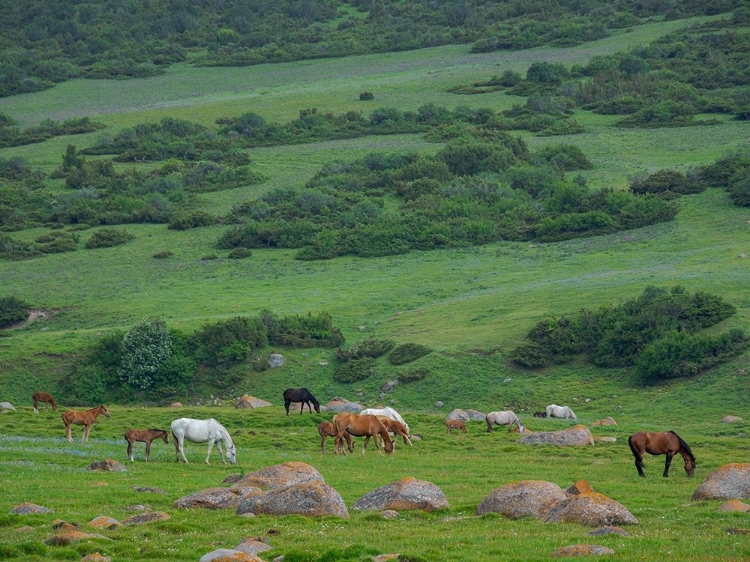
200 431
562 412
506 417
387 412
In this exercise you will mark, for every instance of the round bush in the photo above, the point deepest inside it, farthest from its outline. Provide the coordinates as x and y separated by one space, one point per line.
354 370
13 310
240 253
407 352
108 237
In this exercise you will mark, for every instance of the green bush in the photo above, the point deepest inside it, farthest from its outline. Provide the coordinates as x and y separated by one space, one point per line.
231 341
108 237
240 253
12 310
666 181
407 353
163 255
566 157
302 331
413 375
366 96
145 347
354 370
370 347
190 220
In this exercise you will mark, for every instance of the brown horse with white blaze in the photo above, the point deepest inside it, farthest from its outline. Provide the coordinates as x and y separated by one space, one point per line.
357 425
85 418
144 436
45 397
667 443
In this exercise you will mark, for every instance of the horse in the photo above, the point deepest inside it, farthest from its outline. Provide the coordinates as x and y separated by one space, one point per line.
200 431
506 417
144 436
562 412
327 429
301 395
668 443
540 414
388 412
396 428
361 426
48 400
458 425
85 418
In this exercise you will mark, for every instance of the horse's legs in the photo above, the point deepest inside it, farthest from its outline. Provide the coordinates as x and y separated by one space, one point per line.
67 432
666 465
301 407
130 450
489 426
86 429
210 446
286 405
639 463
221 452
148 450
323 444
36 410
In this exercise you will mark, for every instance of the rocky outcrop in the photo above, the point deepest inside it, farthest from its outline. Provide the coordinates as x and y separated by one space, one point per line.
229 555
578 435
279 476
246 401
403 494
104 522
339 404
734 505
596 510
26 508
528 498
730 419
7 406
728 482
313 499
213 498
147 517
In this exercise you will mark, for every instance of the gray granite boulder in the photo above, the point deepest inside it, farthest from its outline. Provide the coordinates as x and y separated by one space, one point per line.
403 494
212 498
578 435
728 482
279 476
312 499
528 498
596 510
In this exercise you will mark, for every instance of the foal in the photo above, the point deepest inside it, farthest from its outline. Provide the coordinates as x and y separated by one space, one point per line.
458 425
144 436
327 429
48 400
86 419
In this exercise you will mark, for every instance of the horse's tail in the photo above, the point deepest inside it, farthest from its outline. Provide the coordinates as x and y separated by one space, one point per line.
684 446
632 447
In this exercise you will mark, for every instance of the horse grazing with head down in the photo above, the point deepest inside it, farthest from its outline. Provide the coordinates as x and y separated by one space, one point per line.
85 418
301 395
396 428
456 424
327 429
505 417
144 436
45 397
561 412
668 443
388 412
361 426
200 431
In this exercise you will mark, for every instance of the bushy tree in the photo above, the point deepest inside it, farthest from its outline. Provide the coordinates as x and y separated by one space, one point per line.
145 348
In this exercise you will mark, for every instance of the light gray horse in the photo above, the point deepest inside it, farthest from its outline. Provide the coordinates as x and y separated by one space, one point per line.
200 431
506 417
562 412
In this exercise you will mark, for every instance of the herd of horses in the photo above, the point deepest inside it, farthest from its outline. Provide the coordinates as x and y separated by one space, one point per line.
382 425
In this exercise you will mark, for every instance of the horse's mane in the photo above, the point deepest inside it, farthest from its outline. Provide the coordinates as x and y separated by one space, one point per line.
684 446
224 432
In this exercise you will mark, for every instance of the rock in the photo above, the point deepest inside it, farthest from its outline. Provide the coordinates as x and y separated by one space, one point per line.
148 489
390 385
247 401
26 508
66 536
476 415
7 406
730 481
605 421
580 487
104 522
582 550
212 498
578 435
25 529
139 507
596 510
312 499
109 465
175 405
457 414
528 498
390 514
279 476
232 478
734 505
438 404
600 531
386 557
96 557
275 360
147 517
742 255
735 531
730 419
252 546
605 439
339 404
403 494
228 555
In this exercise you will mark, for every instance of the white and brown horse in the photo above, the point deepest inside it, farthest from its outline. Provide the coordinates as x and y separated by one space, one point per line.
85 418
144 436
361 426
45 397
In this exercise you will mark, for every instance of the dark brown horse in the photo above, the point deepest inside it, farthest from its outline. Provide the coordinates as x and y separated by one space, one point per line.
301 395
668 443
365 425
327 429
85 418
144 436
48 400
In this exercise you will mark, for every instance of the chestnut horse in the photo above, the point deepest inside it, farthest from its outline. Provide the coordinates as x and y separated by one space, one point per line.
327 429
361 426
396 428
668 443
85 418
503 418
144 436
458 425
301 395
48 400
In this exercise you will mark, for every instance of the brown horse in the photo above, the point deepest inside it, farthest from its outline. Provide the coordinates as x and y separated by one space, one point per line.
144 436
357 425
48 400
86 419
668 443
397 428
327 429
458 425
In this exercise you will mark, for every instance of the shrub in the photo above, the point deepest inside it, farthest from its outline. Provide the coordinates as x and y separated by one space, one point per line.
413 375
302 331
366 96
209 257
354 370
85 385
665 181
190 220
145 347
370 347
231 341
108 237
531 355
240 253
407 353
566 157
163 255
12 310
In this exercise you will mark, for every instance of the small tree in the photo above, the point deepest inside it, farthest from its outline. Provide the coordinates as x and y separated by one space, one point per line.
145 348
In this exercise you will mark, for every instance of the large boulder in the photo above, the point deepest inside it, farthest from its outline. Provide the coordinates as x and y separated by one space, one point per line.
276 360
528 498
279 476
403 494
728 482
213 498
457 414
596 510
339 404
476 415
27 507
104 522
247 401
7 406
577 435
313 499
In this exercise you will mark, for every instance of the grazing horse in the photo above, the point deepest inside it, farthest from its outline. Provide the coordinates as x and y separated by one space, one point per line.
48 400
540 414
562 412
144 436
668 443
361 426
200 431
85 418
396 428
327 429
388 412
301 395
458 425
506 417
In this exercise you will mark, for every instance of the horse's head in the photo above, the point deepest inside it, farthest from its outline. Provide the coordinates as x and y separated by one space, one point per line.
388 446
165 436
103 410
690 466
316 405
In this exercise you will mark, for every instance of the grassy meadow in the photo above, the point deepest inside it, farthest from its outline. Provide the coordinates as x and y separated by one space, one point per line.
471 306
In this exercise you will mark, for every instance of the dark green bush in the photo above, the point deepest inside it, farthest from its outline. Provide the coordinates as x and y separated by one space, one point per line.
413 375
354 370
56 242
108 237
666 181
163 255
240 253
12 310
366 96
230 341
193 219
566 157
407 353
302 331
370 347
